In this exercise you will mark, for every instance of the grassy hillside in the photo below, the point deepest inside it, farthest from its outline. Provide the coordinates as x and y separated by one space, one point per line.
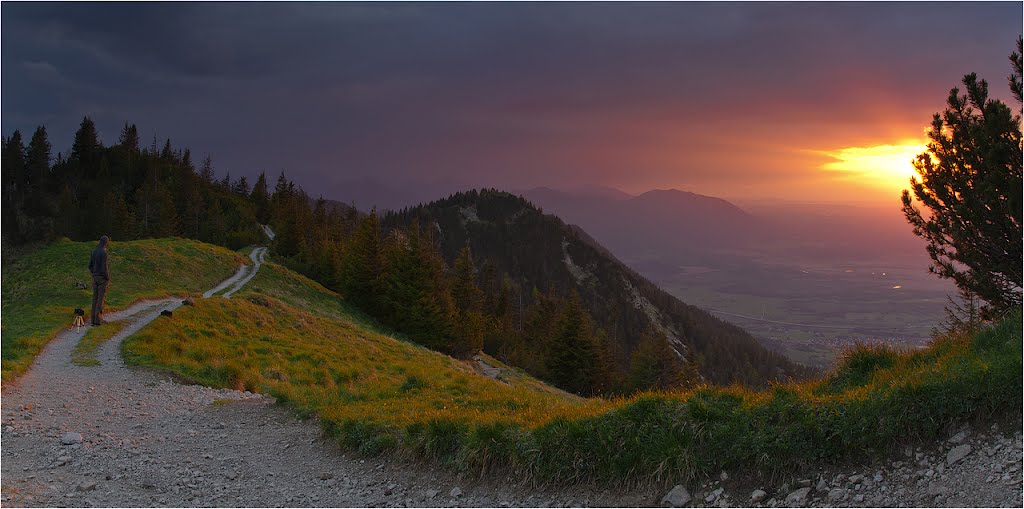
39 293
288 337
364 385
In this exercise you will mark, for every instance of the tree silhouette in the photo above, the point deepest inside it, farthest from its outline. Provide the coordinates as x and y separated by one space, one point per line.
970 184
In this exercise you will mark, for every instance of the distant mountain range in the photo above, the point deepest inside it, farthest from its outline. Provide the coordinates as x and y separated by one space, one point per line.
654 223
690 228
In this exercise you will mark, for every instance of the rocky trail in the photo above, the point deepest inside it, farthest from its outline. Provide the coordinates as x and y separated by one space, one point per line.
108 435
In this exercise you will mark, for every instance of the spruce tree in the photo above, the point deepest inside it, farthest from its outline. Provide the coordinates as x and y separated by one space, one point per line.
654 364
206 171
38 160
362 264
261 199
85 152
572 361
14 182
129 138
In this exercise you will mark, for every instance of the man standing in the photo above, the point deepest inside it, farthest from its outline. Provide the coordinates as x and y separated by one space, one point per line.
100 278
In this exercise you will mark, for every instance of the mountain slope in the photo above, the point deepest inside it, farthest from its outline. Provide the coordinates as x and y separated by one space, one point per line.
654 223
540 251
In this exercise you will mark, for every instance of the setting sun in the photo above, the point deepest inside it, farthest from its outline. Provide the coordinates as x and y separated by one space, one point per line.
887 166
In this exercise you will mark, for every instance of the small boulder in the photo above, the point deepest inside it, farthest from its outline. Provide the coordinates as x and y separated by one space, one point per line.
677 497
822 486
957 453
431 493
724 476
836 494
456 492
757 496
959 437
714 495
166 312
86 486
71 438
798 497
187 302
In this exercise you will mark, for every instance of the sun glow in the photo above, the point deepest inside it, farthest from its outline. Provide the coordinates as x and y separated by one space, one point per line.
887 166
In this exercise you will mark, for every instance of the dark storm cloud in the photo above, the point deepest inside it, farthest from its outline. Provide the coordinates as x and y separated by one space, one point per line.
515 94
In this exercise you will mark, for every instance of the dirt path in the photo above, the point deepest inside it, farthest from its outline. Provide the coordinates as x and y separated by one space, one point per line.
111 436
141 439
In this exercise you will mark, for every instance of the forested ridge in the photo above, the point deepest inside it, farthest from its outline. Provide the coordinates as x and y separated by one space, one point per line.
477 271
549 263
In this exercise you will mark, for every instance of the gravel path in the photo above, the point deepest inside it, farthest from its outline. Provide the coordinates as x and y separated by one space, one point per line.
111 436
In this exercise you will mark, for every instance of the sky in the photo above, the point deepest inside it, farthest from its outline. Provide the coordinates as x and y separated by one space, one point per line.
800 101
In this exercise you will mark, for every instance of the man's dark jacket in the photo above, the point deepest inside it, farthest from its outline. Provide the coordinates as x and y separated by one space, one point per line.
98 261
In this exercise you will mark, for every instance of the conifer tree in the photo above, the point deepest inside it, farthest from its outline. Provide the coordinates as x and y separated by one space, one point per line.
572 361
85 152
261 199
467 295
129 138
654 364
38 160
167 218
971 189
206 171
362 264
241 186
215 227
14 180
123 227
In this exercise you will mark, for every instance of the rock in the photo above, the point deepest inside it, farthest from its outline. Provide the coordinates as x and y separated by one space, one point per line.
86 486
187 302
957 453
959 437
456 492
856 479
798 497
724 476
822 486
71 438
714 495
803 483
858 498
836 494
326 475
757 496
783 490
677 497
63 460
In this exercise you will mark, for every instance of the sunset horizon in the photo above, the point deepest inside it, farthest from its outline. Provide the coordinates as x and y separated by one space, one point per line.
449 93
